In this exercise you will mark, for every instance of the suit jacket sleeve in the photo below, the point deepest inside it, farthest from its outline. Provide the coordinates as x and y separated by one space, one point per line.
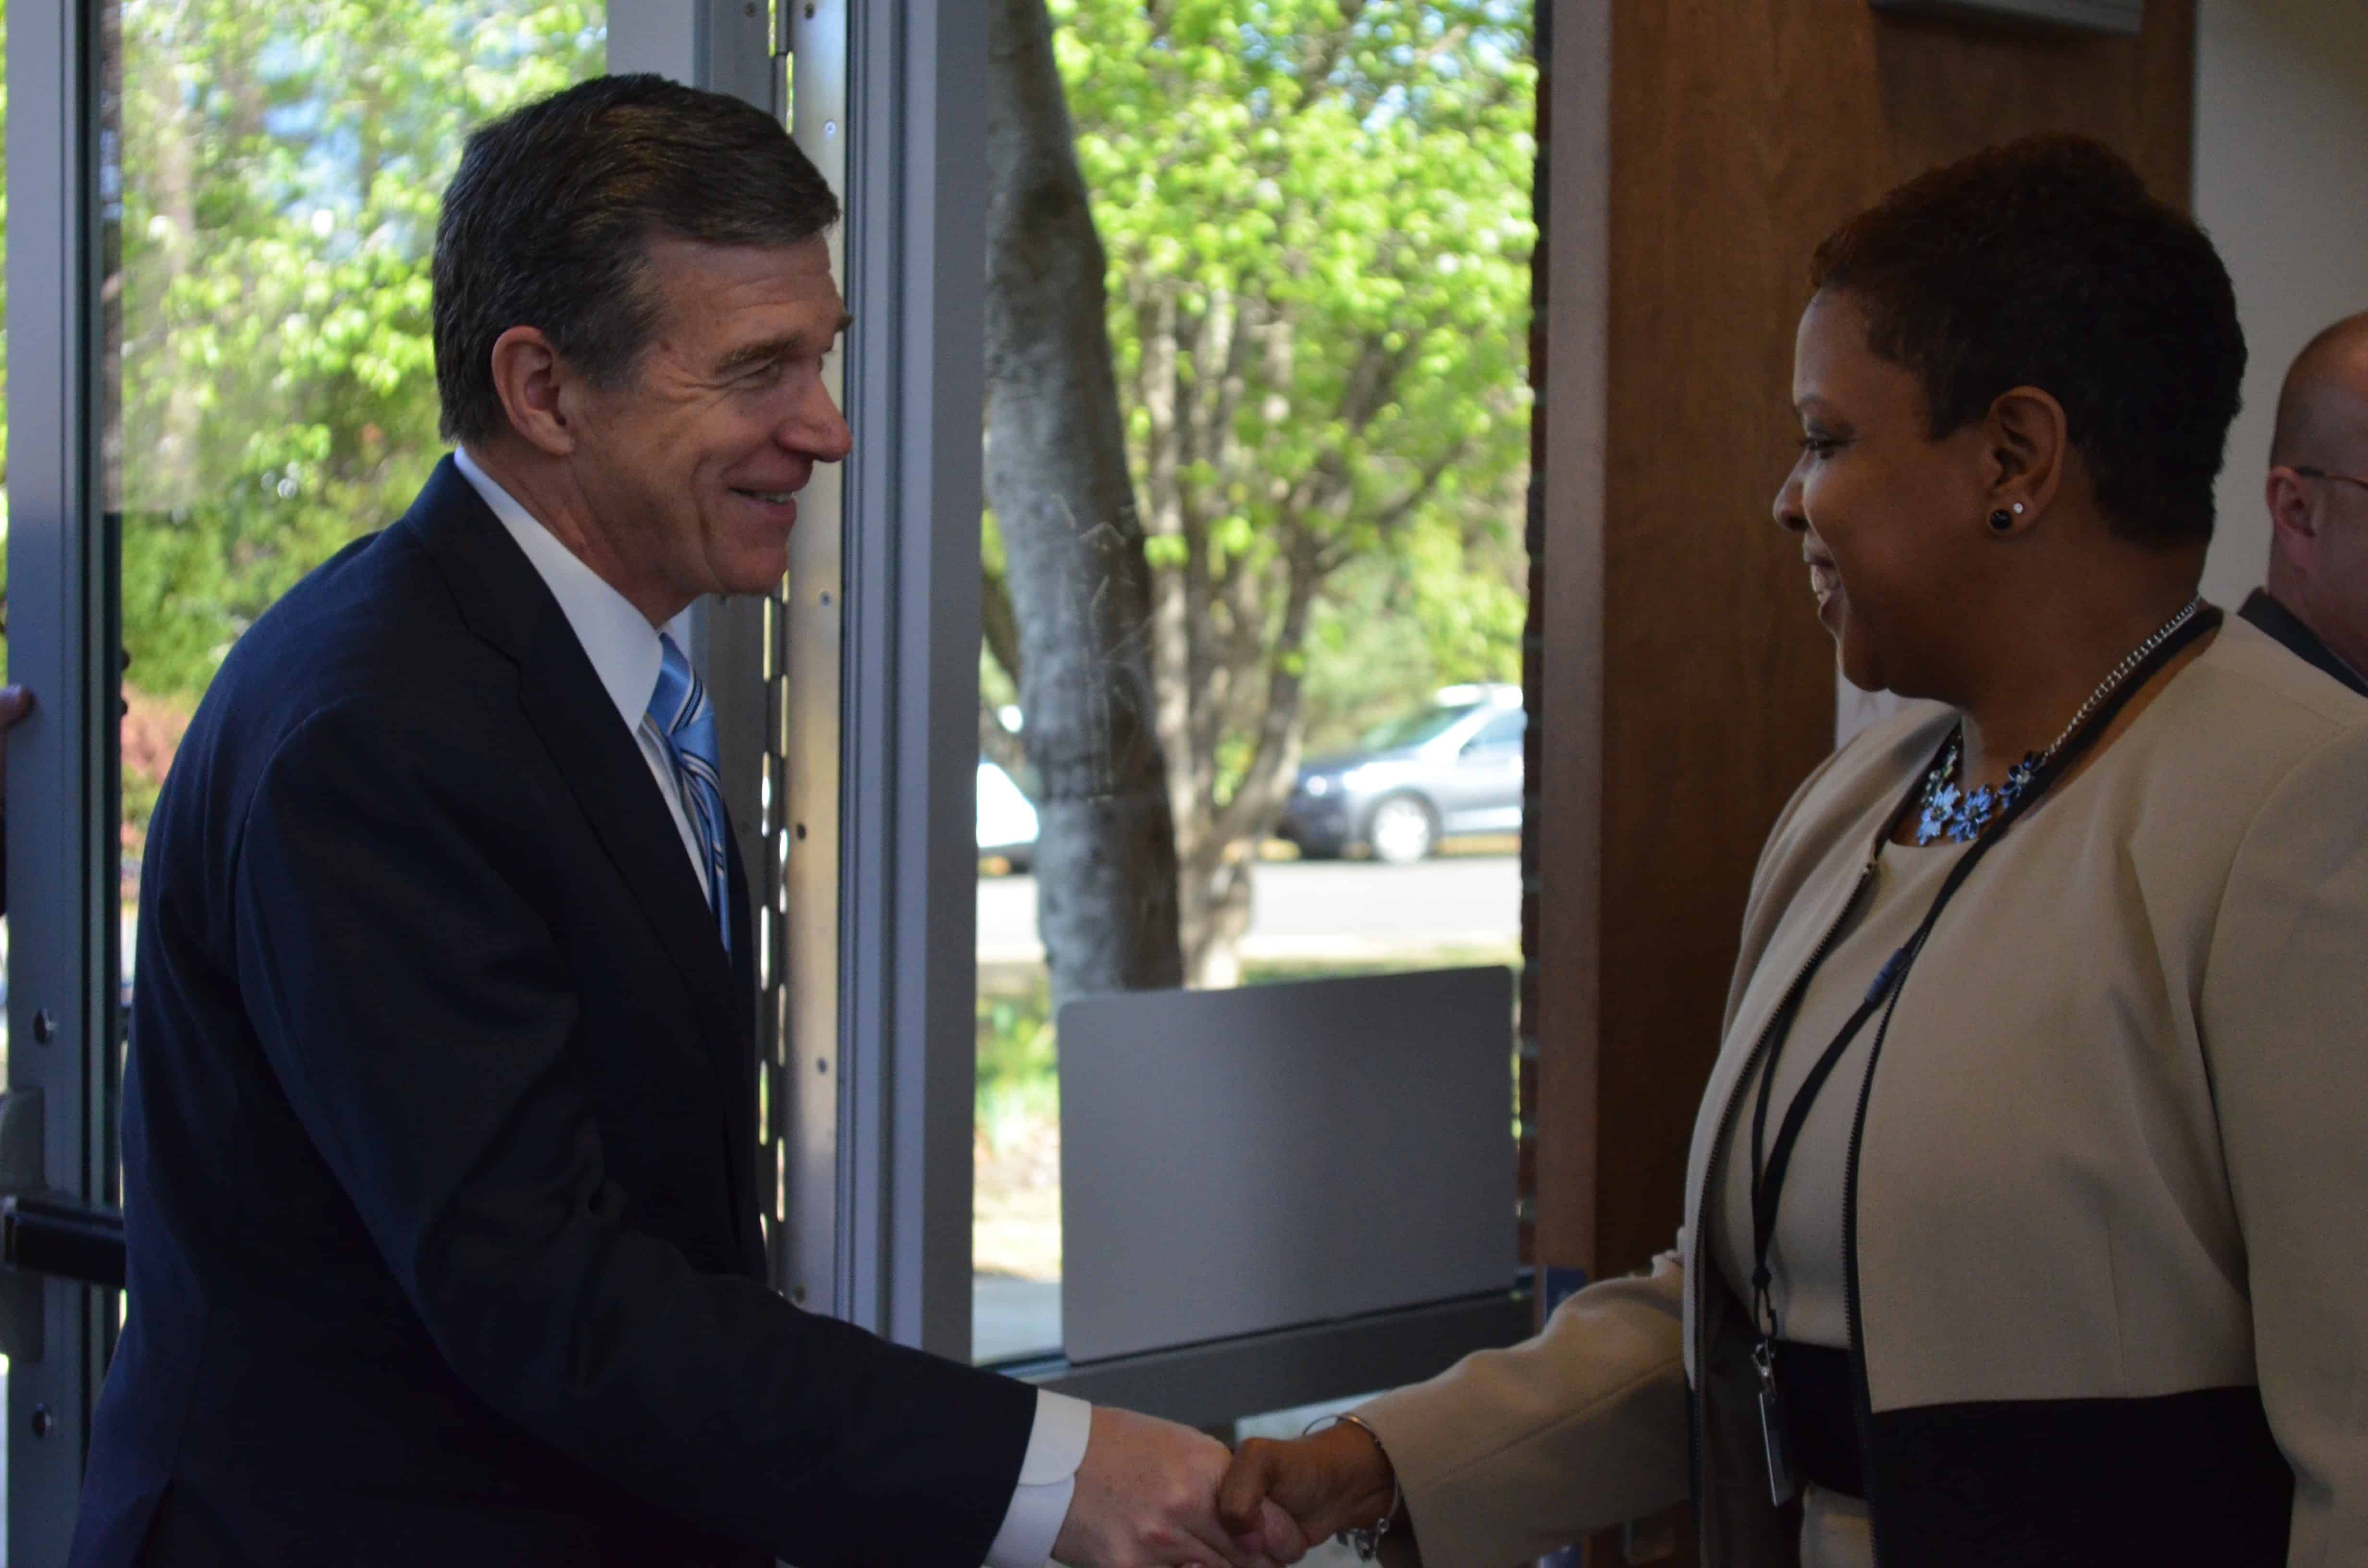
2284 1026
418 1012
1511 1454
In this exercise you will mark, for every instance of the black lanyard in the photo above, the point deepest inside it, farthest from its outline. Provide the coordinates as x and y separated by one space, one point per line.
1768 1175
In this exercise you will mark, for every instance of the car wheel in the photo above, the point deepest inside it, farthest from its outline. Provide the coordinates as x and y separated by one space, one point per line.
1402 830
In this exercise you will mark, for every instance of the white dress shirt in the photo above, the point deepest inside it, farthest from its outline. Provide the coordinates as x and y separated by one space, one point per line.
623 650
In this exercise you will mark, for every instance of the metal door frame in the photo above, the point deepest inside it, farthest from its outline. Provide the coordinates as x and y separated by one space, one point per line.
847 703
64 1013
917 240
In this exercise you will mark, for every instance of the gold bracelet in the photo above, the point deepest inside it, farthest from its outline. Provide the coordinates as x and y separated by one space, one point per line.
1365 1542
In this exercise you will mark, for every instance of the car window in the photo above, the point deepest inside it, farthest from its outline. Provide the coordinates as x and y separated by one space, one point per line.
1504 730
1414 728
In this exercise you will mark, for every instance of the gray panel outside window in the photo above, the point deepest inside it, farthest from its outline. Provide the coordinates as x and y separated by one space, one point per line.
1248 1160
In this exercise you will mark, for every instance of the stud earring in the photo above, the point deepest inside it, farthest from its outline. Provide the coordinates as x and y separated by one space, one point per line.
2001 519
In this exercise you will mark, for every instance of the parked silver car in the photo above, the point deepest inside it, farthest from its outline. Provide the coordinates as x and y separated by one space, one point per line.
1448 770
1007 819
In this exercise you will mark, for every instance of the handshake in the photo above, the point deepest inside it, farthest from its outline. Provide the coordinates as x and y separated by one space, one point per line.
1150 1493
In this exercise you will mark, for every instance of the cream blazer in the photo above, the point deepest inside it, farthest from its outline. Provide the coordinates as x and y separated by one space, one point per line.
2117 1148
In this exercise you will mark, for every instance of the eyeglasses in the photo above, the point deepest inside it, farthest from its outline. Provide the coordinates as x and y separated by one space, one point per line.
2322 473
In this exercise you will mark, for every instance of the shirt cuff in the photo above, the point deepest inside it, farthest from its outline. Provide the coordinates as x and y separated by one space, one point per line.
1048 1480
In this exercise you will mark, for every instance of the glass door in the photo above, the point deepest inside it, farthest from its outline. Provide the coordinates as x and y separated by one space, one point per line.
62 1014
1252 556
219 281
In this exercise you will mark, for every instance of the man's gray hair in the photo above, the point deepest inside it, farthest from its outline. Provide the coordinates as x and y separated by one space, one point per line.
548 221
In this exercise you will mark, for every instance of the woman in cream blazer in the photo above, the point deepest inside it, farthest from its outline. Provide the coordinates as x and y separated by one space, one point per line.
2027 1215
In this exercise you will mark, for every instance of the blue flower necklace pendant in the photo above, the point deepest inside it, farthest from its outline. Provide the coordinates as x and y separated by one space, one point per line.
1960 817
1949 811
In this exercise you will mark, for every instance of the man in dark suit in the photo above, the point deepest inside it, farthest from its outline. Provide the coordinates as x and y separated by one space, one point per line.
2316 600
438 1116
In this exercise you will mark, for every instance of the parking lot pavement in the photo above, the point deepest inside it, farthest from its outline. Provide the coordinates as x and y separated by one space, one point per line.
1321 909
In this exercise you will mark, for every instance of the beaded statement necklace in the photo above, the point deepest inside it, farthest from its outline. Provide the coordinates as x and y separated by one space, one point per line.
1950 813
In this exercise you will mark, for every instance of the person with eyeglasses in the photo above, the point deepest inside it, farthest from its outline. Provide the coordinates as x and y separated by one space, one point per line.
2317 599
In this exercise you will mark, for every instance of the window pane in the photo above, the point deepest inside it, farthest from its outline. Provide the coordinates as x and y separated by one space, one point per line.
1316 223
271 207
1506 730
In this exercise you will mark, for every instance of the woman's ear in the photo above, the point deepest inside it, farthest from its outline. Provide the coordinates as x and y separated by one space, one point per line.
2029 450
530 376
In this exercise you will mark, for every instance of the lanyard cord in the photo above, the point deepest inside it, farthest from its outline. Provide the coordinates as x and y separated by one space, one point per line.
1767 1174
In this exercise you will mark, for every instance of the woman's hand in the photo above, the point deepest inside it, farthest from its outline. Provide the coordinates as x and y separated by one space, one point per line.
1336 1480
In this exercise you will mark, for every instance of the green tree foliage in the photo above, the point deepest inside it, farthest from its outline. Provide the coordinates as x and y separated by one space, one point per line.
1317 218
280 169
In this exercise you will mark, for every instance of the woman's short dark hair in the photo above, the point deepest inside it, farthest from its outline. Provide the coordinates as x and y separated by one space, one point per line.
548 221
2045 262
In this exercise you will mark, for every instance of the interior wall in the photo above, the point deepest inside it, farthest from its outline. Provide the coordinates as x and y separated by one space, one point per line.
2281 182
1700 149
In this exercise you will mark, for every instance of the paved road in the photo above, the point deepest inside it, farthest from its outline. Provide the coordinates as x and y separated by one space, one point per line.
1321 908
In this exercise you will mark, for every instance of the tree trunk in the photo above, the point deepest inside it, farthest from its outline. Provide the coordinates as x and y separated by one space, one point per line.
1080 588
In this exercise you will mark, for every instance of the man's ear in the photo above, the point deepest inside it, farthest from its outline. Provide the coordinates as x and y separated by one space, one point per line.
530 376
2294 525
2029 450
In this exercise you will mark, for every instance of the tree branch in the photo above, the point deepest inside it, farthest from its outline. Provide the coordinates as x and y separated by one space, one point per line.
1323 52
1398 511
1274 764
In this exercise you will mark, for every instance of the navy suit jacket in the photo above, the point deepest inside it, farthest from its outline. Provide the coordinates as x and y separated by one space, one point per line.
2300 641
438 1138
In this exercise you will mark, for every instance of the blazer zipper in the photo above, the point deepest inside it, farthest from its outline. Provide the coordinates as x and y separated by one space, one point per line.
1698 1279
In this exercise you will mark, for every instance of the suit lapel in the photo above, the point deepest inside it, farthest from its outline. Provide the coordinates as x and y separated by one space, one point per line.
503 600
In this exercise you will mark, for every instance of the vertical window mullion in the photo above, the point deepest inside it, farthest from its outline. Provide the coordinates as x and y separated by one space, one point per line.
916 390
63 1008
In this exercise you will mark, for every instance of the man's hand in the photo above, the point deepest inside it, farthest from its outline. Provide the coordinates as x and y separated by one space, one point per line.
1335 1481
1146 1496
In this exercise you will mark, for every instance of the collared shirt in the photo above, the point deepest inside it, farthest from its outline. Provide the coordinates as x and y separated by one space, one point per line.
623 648
2300 641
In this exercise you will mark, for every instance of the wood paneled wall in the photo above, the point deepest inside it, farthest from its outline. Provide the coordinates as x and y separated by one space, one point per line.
1700 149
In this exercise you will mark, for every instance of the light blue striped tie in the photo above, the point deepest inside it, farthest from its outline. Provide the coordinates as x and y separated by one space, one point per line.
680 713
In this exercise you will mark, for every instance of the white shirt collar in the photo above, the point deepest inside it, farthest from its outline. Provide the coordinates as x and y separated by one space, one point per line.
621 644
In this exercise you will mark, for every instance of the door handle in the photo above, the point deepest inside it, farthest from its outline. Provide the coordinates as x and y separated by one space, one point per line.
43 1232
